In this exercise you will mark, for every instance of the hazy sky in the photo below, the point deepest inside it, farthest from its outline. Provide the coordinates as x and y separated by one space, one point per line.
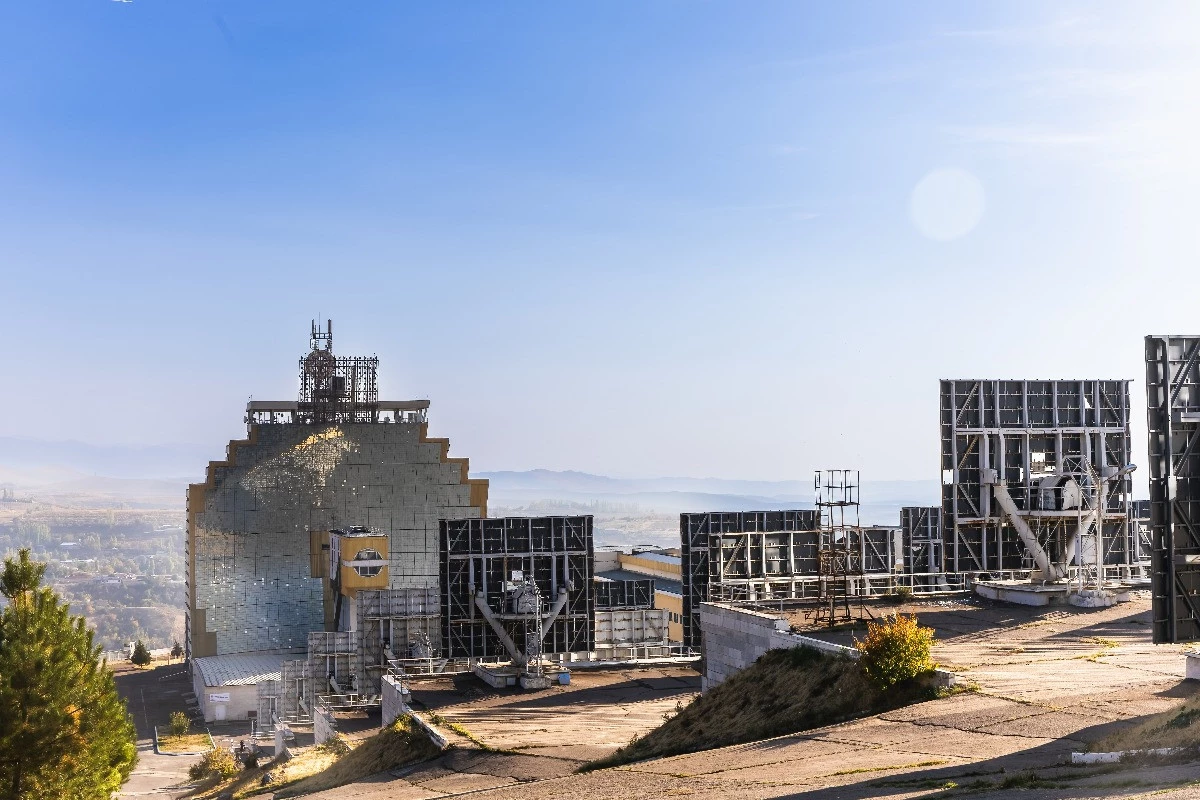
641 238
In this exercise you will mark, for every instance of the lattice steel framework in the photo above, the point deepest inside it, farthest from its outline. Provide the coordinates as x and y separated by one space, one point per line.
841 559
1173 428
1024 431
921 532
876 547
624 594
747 554
482 555
336 388
405 622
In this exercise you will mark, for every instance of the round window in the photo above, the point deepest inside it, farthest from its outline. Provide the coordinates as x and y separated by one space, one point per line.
368 570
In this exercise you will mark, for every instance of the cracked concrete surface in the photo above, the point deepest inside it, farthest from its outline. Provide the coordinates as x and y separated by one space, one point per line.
1049 681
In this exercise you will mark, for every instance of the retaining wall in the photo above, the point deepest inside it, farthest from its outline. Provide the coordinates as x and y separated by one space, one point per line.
735 637
324 725
392 699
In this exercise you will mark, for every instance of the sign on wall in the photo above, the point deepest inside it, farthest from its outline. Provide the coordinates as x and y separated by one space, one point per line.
220 697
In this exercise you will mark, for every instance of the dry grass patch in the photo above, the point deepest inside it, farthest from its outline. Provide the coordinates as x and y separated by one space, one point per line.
400 743
785 691
327 766
188 743
1179 727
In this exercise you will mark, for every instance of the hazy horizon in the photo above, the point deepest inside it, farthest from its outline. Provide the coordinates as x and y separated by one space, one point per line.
86 458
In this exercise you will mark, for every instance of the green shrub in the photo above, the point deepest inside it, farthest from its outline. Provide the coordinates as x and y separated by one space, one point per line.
895 649
903 594
179 723
219 762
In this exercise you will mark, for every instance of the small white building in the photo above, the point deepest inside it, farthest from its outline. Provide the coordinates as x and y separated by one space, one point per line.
225 685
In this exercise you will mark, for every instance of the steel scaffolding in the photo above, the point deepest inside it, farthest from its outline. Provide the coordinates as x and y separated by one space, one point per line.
487 560
1035 440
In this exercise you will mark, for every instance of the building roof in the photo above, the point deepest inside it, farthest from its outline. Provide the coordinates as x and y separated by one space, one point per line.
241 669
660 584
662 558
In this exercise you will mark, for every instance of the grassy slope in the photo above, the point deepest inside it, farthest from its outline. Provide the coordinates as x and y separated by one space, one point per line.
785 691
1179 727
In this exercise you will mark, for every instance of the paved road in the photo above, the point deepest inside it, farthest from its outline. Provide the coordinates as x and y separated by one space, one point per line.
152 695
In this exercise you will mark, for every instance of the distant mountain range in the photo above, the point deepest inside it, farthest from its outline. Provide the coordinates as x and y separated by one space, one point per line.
881 499
163 471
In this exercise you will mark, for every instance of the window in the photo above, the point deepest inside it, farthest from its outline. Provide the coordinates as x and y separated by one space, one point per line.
369 570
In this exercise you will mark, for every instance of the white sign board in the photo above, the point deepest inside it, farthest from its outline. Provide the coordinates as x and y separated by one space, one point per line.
222 697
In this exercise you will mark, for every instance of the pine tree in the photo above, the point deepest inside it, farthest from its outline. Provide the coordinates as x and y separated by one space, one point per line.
141 656
64 730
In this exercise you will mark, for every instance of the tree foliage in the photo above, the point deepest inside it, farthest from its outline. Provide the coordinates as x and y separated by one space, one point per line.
141 656
895 649
180 724
64 730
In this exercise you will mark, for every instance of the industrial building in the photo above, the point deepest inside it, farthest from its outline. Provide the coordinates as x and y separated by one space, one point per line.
662 567
1036 508
338 543
335 459
338 550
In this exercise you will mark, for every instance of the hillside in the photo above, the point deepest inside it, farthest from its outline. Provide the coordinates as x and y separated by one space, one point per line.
785 691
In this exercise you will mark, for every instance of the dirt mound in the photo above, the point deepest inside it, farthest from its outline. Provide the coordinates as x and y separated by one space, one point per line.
784 692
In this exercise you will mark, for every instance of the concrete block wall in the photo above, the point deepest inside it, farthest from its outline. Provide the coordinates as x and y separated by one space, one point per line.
392 700
324 725
249 524
394 707
735 637
1191 663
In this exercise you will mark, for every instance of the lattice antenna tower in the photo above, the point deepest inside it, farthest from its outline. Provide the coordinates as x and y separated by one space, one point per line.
321 339
837 501
839 564
533 628
336 389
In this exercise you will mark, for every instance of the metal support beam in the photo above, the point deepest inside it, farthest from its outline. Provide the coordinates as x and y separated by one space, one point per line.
518 658
1048 568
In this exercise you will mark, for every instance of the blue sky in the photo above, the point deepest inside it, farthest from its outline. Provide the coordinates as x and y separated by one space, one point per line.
665 238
